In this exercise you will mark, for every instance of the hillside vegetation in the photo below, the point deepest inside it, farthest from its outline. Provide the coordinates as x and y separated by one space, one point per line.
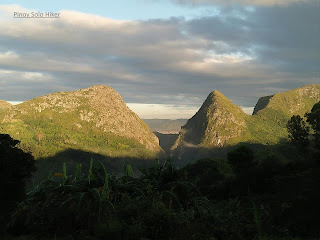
4 105
220 123
95 119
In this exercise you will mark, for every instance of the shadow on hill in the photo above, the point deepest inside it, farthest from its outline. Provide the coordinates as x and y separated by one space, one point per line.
284 151
166 141
72 157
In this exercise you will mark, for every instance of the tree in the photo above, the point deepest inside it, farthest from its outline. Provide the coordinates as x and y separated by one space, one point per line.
16 168
241 157
298 131
313 118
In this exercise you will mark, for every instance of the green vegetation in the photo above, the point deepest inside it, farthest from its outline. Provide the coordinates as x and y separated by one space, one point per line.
93 120
4 106
261 189
220 123
298 132
242 198
204 200
313 118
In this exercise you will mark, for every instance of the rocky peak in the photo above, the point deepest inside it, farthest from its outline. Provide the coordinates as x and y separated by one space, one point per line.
217 121
94 109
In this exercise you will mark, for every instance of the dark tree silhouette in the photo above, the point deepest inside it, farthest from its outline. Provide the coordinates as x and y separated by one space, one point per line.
313 118
16 168
298 132
241 157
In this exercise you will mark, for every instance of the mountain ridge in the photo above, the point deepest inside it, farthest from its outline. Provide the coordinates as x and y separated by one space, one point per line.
88 119
220 123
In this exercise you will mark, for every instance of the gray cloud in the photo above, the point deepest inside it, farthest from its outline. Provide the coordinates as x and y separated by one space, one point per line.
243 52
242 2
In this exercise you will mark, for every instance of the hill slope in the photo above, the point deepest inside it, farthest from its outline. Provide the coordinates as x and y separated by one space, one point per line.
283 105
221 123
4 105
94 119
217 122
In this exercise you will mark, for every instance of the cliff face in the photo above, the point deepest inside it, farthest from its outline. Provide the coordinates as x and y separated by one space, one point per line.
95 119
261 104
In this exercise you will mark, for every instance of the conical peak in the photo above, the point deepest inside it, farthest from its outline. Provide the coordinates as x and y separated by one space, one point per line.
213 97
216 93
98 88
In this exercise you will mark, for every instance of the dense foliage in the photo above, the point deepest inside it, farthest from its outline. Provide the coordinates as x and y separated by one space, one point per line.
16 167
204 200
300 134
241 197
298 131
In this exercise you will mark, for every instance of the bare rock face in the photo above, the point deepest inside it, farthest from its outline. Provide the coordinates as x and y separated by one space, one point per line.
97 112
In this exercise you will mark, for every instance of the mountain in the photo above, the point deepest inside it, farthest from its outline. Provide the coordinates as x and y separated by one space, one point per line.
165 126
4 105
220 123
94 119
217 122
283 105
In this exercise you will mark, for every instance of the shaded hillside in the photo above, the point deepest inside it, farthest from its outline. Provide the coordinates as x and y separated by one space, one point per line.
94 119
166 141
221 123
165 125
261 104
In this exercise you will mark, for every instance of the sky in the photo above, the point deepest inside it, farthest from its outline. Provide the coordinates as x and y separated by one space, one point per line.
163 56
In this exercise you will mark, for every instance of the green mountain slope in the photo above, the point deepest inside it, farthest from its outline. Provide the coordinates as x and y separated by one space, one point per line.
221 123
218 121
95 119
282 106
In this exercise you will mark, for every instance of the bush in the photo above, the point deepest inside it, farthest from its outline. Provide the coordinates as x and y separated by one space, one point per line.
241 157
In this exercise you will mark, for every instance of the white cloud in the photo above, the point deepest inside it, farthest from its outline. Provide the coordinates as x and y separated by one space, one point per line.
248 110
15 102
165 61
162 111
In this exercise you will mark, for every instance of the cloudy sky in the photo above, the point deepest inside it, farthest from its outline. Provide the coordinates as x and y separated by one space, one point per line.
163 56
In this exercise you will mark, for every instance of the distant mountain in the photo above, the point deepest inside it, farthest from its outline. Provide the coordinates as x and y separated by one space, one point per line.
284 105
4 105
94 119
165 126
219 122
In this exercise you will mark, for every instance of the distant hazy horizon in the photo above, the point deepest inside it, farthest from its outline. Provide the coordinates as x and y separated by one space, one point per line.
162 111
